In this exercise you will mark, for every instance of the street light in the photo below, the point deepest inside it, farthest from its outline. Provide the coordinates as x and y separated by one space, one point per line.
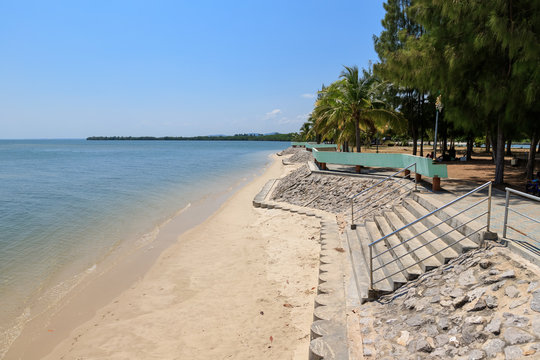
438 106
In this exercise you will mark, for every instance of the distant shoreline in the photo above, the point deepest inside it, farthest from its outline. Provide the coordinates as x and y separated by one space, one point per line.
238 137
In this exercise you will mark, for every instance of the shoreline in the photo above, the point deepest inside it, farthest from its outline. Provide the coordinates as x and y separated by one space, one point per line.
237 209
125 265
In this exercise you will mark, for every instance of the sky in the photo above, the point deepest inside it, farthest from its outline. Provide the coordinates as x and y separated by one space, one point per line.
73 69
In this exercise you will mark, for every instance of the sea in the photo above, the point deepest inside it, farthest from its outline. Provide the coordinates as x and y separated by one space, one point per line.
66 205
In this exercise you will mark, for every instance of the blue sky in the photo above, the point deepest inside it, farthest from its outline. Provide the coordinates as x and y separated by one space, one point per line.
72 69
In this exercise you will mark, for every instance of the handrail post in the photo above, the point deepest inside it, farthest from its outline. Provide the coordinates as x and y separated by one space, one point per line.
489 207
370 268
353 225
507 200
415 181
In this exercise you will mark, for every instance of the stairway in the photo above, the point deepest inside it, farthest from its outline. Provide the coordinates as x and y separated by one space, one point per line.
433 245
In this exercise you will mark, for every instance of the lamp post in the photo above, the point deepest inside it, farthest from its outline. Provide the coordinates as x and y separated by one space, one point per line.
438 106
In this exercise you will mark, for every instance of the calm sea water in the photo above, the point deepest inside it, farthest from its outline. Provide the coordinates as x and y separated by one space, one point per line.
64 204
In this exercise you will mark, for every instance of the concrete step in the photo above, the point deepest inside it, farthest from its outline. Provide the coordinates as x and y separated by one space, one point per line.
383 286
411 270
475 229
389 268
360 269
449 235
427 237
419 252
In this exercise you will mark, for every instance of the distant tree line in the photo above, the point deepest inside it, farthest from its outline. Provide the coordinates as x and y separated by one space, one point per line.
236 137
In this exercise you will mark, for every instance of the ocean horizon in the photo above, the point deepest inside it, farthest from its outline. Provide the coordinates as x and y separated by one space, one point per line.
67 204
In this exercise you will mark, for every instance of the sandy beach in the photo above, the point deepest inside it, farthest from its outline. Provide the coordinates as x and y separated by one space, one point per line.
240 285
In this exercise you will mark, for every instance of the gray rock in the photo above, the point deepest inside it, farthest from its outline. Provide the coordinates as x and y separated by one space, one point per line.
410 303
515 320
438 353
423 346
479 305
494 272
532 286
468 334
432 291
441 340
416 320
456 318
535 302
494 326
443 323
411 346
513 353
511 291
460 301
457 292
491 280
498 285
508 274
446 303
515 336
475 320
518 302
477 355
476 293
484 263
491 301
467 278
435 299
493 347
431 330
421 304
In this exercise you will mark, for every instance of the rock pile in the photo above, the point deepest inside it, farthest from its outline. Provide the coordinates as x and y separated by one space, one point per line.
482 305
301 156
332 193
288 151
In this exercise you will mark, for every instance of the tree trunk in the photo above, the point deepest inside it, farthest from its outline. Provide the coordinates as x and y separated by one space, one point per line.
509 148
470 143
488 143
444 144
357 134
415 145
422 137
494 145
499 158
318 137
532 156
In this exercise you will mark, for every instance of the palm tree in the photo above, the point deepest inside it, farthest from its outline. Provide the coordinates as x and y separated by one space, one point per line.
359 103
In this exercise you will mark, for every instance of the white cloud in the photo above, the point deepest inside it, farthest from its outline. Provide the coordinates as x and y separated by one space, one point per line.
272 114
308 96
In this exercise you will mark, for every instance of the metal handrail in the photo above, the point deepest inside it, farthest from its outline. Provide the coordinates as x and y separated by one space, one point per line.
353 226
377 199
507 207
487 226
